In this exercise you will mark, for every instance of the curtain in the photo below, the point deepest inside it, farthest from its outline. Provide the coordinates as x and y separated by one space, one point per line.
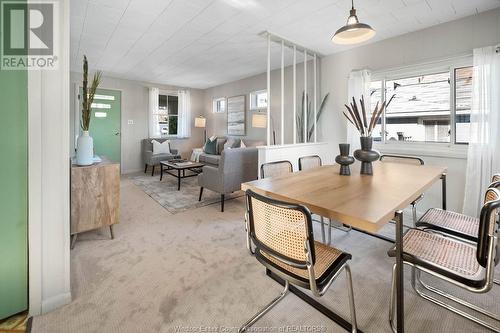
359 84
184 118
483 157
154 127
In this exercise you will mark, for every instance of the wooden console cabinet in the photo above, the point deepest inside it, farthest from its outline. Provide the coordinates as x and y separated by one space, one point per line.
95 197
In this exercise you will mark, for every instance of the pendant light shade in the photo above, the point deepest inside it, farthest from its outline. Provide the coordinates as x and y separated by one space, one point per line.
353 32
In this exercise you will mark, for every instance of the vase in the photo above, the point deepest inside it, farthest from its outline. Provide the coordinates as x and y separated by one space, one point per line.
366 155
85 149
344 159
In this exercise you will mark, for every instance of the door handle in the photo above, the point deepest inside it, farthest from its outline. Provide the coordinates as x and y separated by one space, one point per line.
117 133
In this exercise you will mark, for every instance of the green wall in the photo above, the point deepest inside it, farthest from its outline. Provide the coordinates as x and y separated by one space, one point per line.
13 192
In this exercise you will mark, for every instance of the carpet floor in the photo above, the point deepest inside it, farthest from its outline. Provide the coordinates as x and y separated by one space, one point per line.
191 272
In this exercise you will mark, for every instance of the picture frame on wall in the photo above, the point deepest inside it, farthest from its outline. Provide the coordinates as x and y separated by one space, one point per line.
236 115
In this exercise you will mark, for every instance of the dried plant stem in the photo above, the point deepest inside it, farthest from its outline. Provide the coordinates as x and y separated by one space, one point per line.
88 94
359 118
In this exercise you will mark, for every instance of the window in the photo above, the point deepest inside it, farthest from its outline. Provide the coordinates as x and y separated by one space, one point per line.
258 100
168 107
219 105
429 107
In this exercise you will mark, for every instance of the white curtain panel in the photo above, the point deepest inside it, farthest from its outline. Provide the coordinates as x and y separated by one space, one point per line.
154 127
483 158
358 84
184 120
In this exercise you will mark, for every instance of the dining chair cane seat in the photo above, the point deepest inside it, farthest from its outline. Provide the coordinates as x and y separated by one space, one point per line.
452 223
443 255
328 261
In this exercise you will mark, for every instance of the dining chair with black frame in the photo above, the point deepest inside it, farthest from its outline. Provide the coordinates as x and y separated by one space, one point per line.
468 266
280 236
275 169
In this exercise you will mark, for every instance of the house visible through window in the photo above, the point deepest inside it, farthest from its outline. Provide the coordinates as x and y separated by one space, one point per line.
167 116
258 100
219 105
422 109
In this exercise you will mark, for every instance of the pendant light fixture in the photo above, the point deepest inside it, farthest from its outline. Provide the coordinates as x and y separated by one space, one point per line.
353 32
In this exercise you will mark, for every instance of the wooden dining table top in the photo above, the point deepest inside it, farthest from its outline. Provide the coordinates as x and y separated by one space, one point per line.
362 201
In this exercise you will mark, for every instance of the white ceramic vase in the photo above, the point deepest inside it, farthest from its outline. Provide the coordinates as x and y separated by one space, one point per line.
85 149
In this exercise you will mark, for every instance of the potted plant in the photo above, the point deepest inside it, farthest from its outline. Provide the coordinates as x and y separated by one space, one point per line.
357 116
85 143
309 111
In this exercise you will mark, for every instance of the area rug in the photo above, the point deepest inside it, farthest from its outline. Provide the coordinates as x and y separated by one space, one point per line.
165 192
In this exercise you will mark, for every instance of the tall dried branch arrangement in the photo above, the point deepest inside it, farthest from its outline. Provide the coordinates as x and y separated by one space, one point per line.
88 94
359 118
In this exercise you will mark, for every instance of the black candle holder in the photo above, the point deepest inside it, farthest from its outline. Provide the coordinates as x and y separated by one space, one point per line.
344 159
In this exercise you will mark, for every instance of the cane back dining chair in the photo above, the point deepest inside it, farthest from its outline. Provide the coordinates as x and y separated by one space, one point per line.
412 160
280 236
309 162
275 169
469 266
452 223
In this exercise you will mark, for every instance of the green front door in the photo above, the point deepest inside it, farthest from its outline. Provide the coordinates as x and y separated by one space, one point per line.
105 123
13 192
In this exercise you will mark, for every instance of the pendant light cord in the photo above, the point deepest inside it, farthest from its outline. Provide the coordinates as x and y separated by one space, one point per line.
352 3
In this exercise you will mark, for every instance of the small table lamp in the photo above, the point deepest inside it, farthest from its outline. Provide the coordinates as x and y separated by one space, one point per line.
200 122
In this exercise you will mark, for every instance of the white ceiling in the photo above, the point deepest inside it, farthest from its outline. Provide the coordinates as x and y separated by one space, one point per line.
203 43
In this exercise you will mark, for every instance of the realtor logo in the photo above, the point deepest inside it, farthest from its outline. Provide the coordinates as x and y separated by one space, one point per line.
29 39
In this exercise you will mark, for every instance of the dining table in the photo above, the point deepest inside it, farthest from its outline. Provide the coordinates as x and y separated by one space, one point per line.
364 202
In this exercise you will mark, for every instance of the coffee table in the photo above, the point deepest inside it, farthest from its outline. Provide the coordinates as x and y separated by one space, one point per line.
193 167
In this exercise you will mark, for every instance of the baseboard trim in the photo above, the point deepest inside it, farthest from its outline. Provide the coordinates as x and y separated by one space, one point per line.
55 302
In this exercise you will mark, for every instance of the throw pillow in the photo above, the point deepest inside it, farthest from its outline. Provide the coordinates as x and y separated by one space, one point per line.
243 145
212 138
161 147
210 147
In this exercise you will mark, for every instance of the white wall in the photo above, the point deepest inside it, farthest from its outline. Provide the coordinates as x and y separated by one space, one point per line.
48 122
134 106
441 41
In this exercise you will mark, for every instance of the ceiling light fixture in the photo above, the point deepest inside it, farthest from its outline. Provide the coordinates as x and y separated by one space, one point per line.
353 32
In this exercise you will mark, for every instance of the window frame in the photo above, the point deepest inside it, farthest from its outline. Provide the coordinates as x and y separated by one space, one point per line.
167 93
253 95
448 65
215 102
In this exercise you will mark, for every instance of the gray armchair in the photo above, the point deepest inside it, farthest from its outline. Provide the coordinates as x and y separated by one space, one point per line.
151 159
237 165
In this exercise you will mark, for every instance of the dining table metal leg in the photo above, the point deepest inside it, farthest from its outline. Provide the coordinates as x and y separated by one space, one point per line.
398 218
